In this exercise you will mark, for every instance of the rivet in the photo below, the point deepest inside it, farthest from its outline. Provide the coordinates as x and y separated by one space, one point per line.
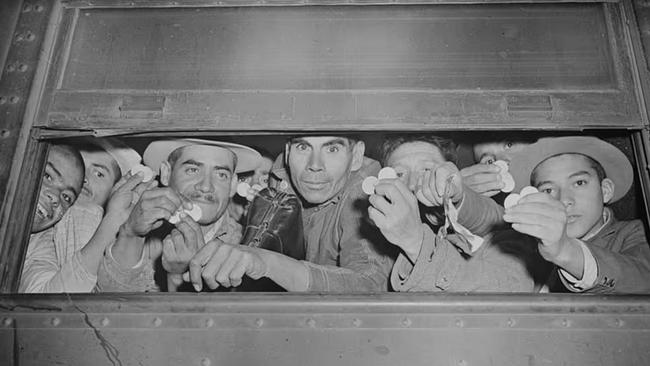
619 323
7 322
39 8
311 323
22 67
27 8
19 37
30 36
259 322
209 323
511 322
11 68
55 322
3 100
406 322
566 323
14 99
206 362
356 322
105 322
459 323
157 322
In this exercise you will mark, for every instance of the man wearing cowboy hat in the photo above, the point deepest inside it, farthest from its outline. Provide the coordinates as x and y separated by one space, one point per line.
193 172
66 259
577 176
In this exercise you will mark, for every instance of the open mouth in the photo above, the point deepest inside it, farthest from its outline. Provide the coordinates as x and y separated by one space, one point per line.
42 212
572 218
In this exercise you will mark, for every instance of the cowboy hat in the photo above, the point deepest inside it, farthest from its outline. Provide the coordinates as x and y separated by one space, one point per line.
158 151
616 165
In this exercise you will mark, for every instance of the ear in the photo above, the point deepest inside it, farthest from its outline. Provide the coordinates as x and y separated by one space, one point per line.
165 173
358 150
608 187
233 184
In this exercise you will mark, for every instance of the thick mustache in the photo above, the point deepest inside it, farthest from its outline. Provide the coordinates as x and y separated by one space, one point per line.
198 196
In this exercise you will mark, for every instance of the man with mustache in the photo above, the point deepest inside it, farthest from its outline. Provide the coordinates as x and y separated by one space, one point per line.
192 172
344 253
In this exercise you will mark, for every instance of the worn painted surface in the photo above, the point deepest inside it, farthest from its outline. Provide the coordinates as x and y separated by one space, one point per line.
389 329
412 67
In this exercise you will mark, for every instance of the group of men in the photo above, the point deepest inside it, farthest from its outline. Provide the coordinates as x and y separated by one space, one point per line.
434 227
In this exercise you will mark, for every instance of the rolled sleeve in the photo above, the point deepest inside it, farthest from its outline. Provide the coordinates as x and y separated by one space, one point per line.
589 274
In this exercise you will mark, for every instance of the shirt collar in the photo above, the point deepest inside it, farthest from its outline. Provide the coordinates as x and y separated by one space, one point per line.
607 216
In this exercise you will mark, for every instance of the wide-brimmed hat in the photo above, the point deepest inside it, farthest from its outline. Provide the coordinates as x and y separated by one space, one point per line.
616 165
158 151
125 156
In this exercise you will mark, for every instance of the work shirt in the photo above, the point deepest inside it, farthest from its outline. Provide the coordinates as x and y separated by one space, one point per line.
345 251
52 263
506 261
114 277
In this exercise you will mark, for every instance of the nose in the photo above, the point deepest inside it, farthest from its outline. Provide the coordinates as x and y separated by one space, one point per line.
566 197
411 181
53 197
315 163
205 184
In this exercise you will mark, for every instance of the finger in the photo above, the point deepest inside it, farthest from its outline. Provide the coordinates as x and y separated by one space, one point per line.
380 203
160 202
155 214
191 225
387 188
426 190
186 276
213 266
238 272
120 183
224 274
169 251
377 217
536 231
549 222
405 193
479 169
131 182
197 262
538 208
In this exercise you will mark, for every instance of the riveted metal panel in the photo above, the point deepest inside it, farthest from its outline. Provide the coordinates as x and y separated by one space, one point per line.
237 329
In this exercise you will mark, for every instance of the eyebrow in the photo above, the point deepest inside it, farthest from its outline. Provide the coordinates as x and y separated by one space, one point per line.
576 174
102 166
217 167
337 141
51 166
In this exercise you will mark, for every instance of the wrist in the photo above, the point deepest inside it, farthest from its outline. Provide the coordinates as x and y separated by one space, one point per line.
567 252
412 249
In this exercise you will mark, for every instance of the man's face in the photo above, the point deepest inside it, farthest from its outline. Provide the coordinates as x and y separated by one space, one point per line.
572 180
102 172
320 166
489 152
62 181
260 175
412 159
204 175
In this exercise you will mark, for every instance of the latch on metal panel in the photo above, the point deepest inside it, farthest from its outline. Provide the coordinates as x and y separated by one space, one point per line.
142 106
529 103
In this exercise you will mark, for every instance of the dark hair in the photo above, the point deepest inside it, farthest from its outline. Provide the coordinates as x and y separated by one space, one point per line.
176 154
352 138
446 146
593 163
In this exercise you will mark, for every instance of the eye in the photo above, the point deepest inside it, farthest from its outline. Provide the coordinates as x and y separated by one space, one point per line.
67 198
47 176
581 182
508 145
191 170
301 146
223 175
333 149
99 174
264 179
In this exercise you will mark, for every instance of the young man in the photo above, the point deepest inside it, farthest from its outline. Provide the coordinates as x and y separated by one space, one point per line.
426 177
259 178
483 177
577 177
192 172
344 252
68 259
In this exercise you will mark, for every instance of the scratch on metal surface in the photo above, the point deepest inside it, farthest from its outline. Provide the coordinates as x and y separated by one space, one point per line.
112 353
31 307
